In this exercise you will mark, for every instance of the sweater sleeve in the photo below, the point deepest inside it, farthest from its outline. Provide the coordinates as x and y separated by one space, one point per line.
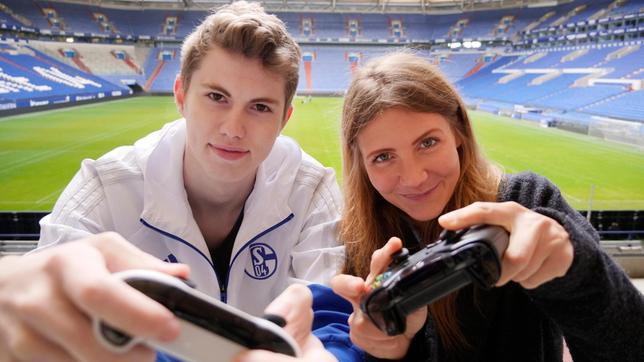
599 311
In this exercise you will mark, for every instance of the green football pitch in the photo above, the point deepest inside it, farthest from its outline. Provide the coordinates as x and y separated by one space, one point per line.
40 152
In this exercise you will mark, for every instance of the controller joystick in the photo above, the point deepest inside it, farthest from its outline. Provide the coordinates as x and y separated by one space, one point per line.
400 257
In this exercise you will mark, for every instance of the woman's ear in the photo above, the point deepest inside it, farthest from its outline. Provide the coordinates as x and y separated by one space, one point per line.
458 140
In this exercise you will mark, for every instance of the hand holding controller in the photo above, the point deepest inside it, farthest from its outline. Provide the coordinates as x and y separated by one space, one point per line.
458 258
209 327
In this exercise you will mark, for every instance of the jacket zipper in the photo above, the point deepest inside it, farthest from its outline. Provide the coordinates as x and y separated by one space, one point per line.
223 285
232 261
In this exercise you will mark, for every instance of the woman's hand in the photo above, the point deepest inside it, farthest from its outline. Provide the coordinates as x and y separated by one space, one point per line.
364 333
539 249
47 298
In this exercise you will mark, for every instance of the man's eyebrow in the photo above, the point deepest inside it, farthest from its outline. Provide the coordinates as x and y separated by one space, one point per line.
223 91
265 100
217 88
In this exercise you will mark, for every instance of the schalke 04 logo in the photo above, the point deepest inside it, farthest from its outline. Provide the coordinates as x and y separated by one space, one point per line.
264 261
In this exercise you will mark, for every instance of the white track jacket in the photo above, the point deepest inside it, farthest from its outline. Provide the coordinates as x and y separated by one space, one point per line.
288 230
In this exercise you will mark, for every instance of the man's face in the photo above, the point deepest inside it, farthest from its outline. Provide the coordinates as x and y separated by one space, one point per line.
234 111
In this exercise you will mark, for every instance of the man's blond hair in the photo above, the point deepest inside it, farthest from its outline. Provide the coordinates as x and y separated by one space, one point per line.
244 28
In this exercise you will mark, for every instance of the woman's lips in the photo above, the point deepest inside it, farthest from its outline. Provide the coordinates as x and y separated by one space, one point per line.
418 196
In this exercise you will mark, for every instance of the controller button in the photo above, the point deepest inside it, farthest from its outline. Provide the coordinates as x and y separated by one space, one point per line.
400 256
451 236
445 234
458 234
114 336
377 282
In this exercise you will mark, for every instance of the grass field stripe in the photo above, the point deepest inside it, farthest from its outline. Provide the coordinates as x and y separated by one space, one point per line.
47 154
52 196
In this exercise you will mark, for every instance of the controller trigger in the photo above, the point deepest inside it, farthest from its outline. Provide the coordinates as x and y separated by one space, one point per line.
279 320
188 282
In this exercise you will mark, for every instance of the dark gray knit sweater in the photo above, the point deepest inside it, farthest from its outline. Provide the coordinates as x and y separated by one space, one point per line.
595 306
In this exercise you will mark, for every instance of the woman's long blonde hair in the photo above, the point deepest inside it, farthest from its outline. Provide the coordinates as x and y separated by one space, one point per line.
407 81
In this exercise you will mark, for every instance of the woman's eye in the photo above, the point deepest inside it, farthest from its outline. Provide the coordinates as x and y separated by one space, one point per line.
262 107
428 142
217 97
382 158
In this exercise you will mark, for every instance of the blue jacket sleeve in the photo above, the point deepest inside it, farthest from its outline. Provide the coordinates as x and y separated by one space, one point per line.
162 357
330 324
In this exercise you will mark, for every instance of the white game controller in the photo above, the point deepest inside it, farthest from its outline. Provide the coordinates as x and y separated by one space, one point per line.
209 327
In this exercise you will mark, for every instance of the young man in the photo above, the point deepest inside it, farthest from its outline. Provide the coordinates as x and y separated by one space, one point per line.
219 191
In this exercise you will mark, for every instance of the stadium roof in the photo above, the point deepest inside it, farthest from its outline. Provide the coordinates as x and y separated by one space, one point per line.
381 6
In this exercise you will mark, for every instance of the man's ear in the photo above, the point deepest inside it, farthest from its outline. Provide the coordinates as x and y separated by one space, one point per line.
179 95
287 116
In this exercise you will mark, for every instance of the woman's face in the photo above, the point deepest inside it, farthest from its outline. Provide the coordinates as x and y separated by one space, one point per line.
411 159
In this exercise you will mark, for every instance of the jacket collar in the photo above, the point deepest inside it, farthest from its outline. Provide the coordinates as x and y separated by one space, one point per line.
165 200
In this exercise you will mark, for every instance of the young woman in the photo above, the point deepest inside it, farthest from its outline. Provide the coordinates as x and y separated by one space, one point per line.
411 168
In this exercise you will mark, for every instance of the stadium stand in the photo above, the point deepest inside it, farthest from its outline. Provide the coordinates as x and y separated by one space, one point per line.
30 78
588 52
590 80
162 70
119 64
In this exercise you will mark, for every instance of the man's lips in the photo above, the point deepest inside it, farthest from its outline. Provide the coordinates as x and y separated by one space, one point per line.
229 152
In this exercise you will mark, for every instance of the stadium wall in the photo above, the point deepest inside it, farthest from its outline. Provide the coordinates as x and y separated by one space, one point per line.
615 130
48 103
610 224
621 233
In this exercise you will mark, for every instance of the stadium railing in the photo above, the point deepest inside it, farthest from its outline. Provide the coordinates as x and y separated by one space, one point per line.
621 233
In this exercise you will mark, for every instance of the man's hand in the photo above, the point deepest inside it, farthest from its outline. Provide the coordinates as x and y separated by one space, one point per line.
47 299
294 305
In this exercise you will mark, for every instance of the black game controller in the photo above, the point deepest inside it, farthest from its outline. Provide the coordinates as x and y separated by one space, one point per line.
210 329
458 258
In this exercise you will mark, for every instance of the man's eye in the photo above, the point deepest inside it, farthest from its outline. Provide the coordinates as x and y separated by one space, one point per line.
262 107
382 158
428 142
216 96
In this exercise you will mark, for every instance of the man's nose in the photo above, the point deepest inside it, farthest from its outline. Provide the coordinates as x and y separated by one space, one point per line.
233 125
